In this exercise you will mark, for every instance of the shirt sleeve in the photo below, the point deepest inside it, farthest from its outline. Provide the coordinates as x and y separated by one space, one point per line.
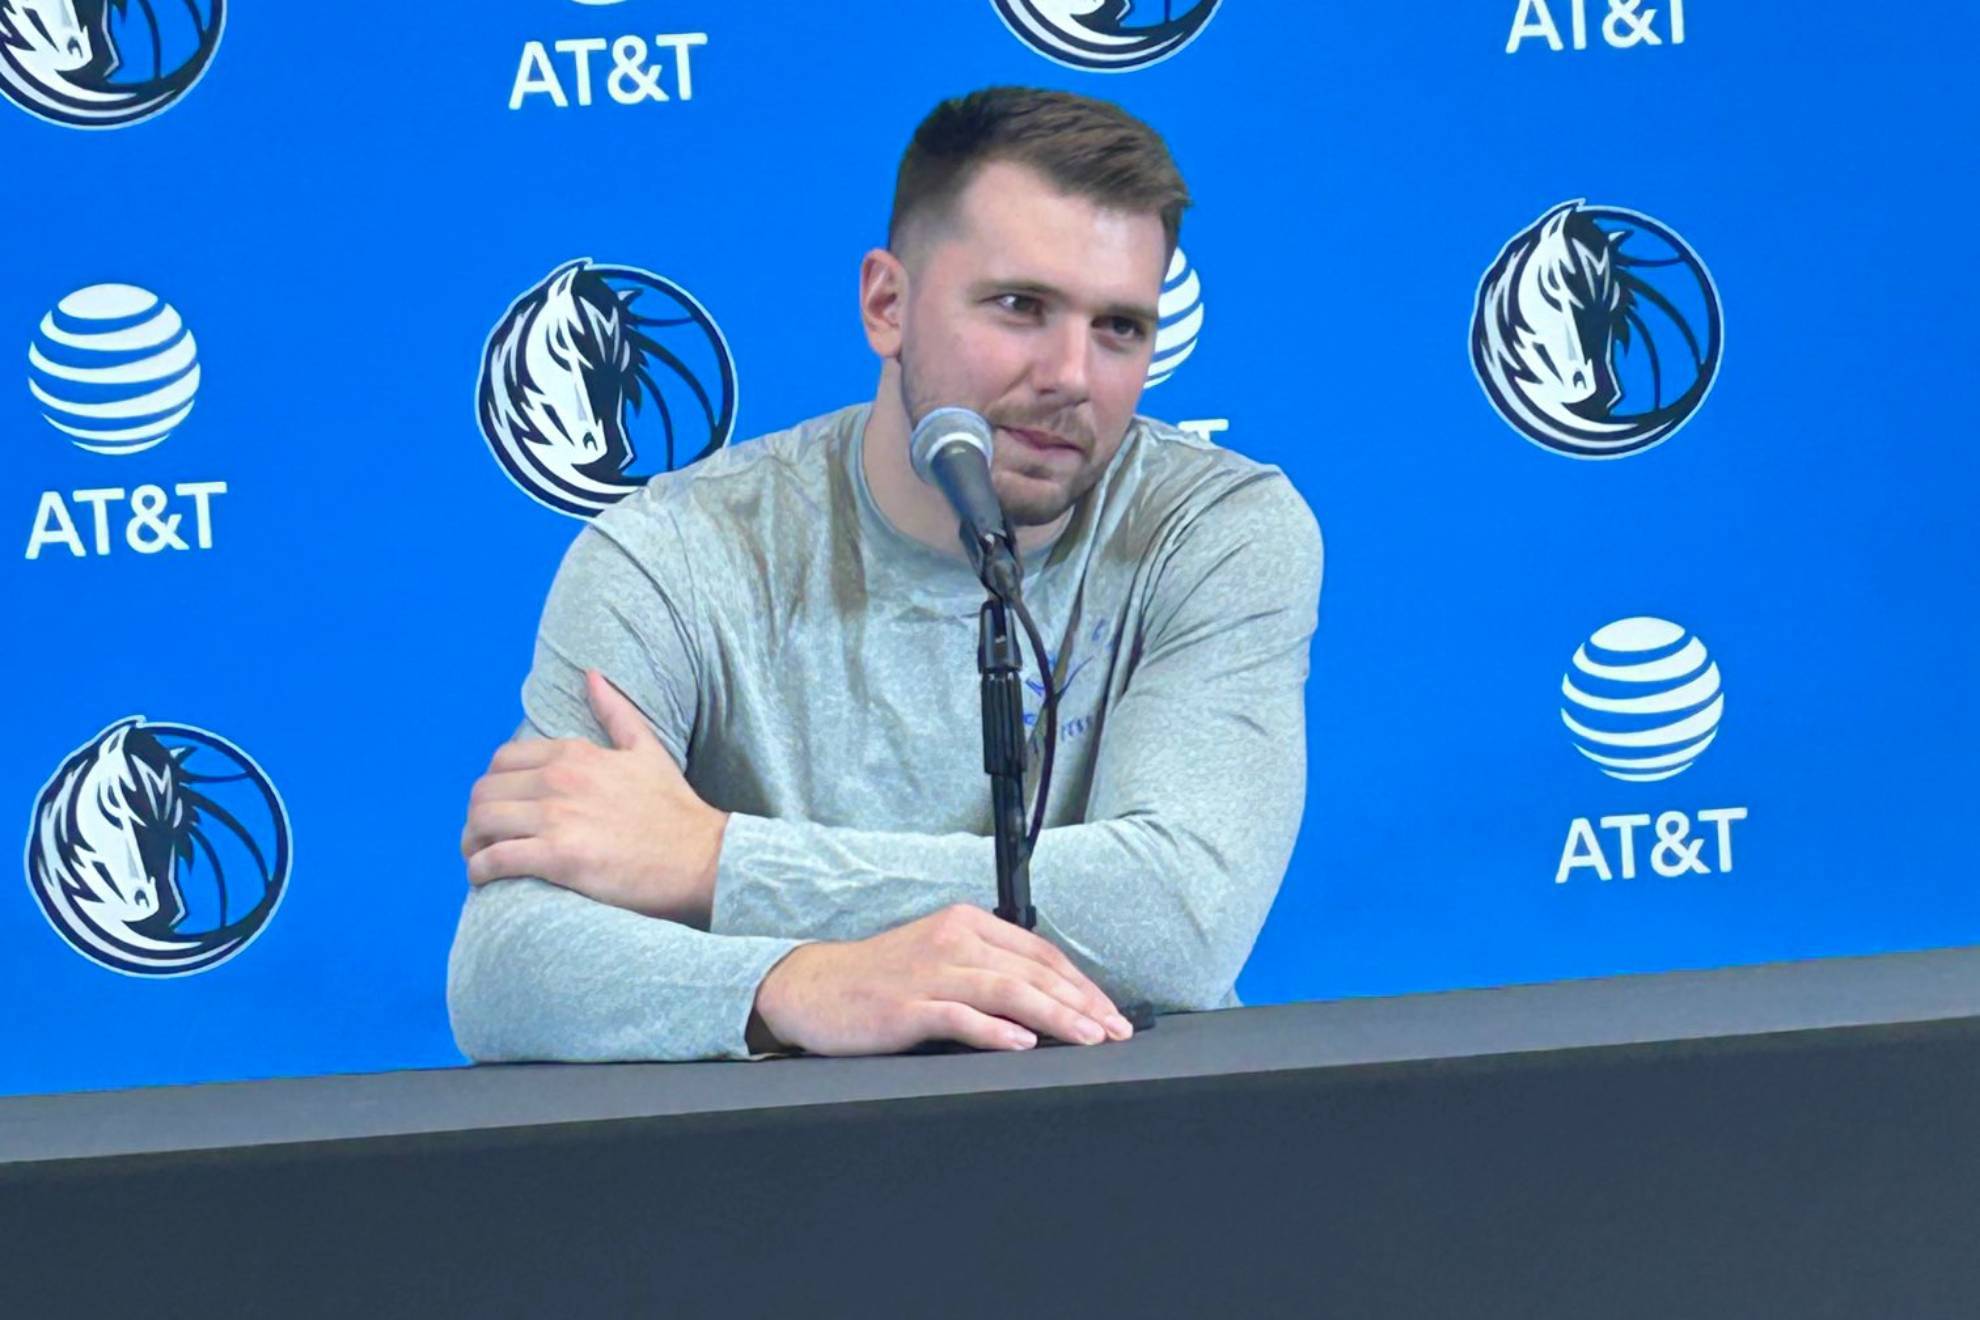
541 972
1198 788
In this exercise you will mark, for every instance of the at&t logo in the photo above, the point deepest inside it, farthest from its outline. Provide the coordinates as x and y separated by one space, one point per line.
625 70
1626 24
115 370
1642 699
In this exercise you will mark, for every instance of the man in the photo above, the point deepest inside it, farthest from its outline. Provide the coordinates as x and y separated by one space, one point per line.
746 811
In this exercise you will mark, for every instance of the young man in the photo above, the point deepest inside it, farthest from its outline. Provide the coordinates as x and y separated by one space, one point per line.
792 622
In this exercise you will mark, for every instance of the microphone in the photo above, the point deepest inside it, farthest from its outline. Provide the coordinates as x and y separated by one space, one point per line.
950 450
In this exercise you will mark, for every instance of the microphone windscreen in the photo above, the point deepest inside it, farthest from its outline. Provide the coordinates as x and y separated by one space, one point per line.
945 426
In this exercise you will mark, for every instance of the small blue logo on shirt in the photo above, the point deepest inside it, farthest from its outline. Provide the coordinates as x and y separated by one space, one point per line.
1071 725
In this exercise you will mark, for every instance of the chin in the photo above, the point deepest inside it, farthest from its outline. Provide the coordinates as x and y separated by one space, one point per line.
1030 501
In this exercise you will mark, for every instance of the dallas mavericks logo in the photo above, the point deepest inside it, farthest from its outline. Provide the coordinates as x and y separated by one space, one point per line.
1106 36
1597 332
158 849
595 367
104 63
1179 319
1642 699
114 368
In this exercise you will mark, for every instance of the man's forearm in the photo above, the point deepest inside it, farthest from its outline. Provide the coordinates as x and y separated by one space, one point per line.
541 973
1150 914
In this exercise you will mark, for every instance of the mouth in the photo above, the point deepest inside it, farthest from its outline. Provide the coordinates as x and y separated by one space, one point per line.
1041 442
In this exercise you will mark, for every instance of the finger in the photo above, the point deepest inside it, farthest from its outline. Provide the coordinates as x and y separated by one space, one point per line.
946 1019
1073 994
533 753
492 822
509 859
616 713
1029 944
1021 1002
508 786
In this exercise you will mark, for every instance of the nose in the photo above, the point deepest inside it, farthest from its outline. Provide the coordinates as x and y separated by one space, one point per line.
1060 361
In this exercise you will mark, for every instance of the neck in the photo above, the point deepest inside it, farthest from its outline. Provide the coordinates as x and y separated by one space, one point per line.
913 506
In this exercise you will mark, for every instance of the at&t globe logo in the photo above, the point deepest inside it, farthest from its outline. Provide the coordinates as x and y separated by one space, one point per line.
597 378
104 63
1106 36
1180 319
1642 699
114 368
1597 332
158 849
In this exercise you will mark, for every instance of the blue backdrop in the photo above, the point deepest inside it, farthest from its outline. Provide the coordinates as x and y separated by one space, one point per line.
239 768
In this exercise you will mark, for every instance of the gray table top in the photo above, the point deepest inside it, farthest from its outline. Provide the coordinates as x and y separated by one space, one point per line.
1673 1006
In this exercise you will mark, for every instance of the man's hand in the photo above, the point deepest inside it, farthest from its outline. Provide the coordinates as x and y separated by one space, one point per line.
618 823
959 974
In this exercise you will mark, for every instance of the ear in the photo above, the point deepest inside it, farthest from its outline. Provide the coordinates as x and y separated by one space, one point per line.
883 292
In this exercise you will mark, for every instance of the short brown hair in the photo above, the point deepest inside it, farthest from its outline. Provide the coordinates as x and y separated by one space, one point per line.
1085 147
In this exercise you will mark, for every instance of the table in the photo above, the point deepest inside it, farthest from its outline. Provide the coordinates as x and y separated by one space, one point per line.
1798 1139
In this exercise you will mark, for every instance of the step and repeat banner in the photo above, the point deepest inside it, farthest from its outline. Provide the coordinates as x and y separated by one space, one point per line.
1623 349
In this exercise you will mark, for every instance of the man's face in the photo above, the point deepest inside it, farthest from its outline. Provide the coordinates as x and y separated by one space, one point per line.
1036 309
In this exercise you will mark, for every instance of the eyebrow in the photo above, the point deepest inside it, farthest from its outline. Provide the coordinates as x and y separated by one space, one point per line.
1133 311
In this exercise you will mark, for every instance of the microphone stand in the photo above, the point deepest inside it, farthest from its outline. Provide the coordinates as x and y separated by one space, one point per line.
1000 666
1000 661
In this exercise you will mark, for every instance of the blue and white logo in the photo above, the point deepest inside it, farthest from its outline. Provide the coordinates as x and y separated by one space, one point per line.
158 849
1095 642
1179 319
1642 699
1597 332
599 371
104 63
114 368
1106 36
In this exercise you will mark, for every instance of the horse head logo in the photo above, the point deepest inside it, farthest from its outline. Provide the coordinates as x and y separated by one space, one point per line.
104 63
54 39
1566 302
120 827
1555 321
1104 35
572 361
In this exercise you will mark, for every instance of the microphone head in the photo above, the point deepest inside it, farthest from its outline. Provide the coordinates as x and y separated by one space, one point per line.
942 427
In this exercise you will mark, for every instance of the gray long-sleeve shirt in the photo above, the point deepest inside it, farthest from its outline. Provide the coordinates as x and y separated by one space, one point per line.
813 670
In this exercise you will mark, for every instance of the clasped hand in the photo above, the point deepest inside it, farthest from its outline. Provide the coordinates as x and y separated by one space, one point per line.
619 823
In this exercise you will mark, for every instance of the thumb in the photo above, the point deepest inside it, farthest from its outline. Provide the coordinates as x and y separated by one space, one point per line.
621 720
